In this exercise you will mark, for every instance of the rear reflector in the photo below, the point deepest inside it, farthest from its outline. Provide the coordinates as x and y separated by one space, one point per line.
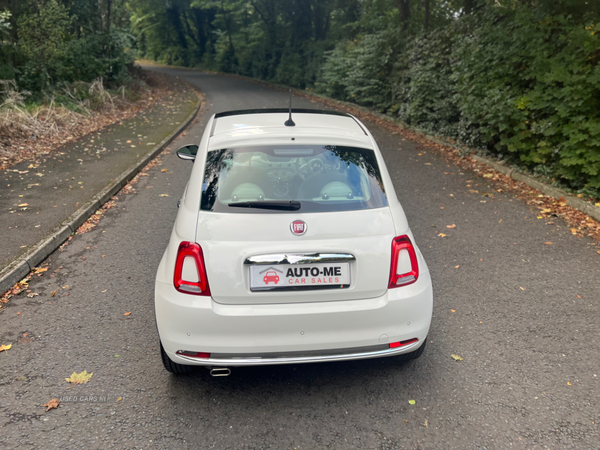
403 343
193 354
404 269
190 271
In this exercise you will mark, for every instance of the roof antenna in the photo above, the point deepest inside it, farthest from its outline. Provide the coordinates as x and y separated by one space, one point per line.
290 122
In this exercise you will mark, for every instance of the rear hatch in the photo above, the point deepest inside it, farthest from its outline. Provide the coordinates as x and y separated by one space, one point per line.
343 255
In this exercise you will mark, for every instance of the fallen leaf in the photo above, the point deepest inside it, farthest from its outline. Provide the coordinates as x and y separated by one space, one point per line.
22 205
548 243
488 175
127 314
104 291
164 170
163 195
456 267
456 358
119 399
5 347
441 235
569 383
453 310
522 288
451 226
579 296
53 293
33 294
412 402
79 378
52 404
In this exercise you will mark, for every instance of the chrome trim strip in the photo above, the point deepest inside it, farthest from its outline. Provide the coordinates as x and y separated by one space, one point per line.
257 361
299 258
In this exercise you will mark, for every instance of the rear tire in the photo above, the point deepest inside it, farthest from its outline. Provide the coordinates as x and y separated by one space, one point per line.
413 355
173 367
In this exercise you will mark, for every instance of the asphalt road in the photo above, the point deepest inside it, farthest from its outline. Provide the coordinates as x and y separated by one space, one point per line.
522 313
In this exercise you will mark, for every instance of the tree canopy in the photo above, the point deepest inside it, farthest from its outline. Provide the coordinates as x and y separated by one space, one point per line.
517 78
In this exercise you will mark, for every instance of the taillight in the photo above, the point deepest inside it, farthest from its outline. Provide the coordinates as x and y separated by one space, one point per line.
190 272
403 343
404 269
194 354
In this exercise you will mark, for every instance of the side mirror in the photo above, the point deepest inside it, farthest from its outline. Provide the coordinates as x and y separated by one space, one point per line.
188 152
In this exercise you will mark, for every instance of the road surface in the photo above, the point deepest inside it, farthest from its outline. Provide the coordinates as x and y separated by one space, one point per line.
521 313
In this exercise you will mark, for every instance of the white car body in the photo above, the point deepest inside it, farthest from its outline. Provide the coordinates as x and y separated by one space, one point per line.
238 326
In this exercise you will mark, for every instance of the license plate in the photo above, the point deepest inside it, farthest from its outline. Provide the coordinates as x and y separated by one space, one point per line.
299 276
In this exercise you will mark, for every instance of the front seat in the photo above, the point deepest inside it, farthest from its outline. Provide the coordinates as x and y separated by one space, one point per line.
239 176
330 184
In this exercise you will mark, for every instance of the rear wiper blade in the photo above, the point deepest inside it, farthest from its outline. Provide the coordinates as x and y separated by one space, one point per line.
291 205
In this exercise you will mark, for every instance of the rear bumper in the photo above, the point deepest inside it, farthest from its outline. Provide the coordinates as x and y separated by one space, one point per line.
232 360
249 335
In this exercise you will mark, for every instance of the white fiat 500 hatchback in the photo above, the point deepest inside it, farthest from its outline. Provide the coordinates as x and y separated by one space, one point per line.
290 246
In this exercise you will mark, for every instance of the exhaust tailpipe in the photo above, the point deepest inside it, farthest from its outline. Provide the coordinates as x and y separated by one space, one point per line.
220 372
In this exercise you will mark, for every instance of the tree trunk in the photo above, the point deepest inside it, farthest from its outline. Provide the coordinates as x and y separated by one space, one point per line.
108 14
468 6
404 12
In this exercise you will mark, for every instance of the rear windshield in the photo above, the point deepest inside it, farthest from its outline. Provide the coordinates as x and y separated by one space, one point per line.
292 178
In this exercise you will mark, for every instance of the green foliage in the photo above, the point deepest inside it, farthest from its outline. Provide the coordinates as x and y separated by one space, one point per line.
102 55
532 87
519 82
518 78
4 24
42 33
51 43
360 71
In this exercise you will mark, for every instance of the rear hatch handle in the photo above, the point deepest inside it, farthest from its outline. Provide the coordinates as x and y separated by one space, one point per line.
299 258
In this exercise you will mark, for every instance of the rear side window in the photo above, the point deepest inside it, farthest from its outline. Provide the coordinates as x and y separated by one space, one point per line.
292 178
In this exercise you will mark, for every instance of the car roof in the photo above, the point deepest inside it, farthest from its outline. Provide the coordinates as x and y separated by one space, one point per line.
260 126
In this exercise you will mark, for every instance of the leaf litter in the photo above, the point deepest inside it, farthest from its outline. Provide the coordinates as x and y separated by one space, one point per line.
52 404
79 378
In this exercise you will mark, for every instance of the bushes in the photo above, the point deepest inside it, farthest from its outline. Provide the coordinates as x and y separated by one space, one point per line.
102 55
51 50
533 88
360 71
523 86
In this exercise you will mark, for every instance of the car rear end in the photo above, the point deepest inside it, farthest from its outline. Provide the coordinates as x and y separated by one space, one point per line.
294 249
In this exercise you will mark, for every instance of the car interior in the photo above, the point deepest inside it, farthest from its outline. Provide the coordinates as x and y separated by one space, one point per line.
250 176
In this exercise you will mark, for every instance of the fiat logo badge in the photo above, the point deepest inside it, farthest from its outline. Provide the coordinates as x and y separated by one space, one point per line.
298 227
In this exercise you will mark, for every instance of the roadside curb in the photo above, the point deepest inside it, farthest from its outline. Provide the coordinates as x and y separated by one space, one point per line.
19 268
551 191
